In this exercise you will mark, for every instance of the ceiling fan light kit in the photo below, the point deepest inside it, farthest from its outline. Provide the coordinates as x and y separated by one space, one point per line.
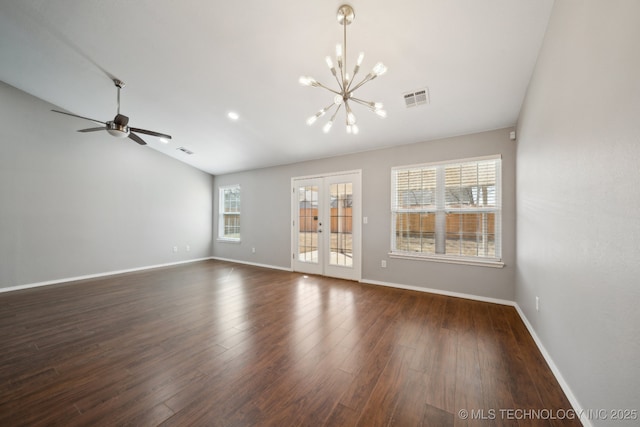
118 127
346 87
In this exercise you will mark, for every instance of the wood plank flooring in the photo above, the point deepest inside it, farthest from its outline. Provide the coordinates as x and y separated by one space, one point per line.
222 344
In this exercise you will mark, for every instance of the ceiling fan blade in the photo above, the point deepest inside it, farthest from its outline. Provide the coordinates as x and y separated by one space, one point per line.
121 120
80 117
150 132
136 138
93 129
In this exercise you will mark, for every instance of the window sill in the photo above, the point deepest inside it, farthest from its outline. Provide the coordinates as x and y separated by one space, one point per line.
221 240
449 260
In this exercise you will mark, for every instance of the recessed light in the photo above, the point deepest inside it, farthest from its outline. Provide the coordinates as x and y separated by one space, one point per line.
233 115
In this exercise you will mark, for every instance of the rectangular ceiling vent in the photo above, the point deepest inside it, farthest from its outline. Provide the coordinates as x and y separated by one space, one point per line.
418 97
184 150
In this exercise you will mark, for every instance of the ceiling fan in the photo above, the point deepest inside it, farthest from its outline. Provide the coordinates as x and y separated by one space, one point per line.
118 126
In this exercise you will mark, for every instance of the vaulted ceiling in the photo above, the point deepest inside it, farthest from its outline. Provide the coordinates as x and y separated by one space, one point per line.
187 64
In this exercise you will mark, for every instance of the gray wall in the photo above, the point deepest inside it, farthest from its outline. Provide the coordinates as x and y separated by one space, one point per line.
76 204
266 215
579 200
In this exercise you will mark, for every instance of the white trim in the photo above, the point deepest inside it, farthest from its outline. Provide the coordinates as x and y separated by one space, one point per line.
449 162
547 357
324 175
441 210
221 213
97 275
579 411
554 369
255 264
322 267
228 240
440 292
449 260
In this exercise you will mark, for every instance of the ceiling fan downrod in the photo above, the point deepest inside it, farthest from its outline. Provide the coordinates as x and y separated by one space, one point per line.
119 84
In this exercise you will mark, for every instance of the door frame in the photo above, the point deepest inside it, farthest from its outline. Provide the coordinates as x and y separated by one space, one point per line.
332 271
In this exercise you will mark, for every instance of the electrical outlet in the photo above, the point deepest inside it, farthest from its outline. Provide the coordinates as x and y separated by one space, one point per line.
383 263
188 248
175 249
253 250
537 303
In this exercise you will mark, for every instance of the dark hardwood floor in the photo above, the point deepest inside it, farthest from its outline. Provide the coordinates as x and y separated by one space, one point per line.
221 344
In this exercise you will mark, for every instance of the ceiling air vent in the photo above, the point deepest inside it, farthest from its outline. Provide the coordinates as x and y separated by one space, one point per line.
418 97
184 150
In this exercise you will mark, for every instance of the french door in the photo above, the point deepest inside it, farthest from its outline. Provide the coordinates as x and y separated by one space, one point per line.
326 225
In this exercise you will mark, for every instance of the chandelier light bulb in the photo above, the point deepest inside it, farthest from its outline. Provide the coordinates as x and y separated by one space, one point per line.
378 106
339 51
349 129
354 129
307 81
379 69
327 127
329 62
311 120
358 63
381 113
337 100
351 118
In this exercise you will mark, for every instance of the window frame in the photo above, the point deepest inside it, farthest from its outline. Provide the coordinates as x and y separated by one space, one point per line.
223 213
440 210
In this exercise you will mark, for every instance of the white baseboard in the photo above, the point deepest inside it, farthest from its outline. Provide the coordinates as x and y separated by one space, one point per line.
93 276
273 267
554 369
547 357
579 411
439 292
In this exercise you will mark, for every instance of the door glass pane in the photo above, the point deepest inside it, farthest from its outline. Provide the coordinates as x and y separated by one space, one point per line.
308 223
341 244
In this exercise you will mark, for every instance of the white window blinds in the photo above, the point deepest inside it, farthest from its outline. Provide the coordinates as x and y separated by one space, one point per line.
448 210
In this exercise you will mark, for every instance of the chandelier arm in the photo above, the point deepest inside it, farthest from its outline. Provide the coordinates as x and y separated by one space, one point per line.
349 113
368 78
319 114
355 71
328 107
329 89
335 113
339 82
367 104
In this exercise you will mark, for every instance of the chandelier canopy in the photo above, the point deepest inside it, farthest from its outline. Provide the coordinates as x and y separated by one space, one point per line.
346 87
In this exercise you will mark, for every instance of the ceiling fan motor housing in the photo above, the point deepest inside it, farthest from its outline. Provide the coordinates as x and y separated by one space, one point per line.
119 131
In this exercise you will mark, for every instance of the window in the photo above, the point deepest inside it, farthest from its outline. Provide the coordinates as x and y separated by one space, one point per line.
229 213
448 211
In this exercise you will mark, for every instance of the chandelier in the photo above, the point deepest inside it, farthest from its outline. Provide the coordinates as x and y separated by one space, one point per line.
346 87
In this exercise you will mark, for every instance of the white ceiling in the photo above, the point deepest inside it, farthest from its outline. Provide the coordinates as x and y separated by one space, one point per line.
187 63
